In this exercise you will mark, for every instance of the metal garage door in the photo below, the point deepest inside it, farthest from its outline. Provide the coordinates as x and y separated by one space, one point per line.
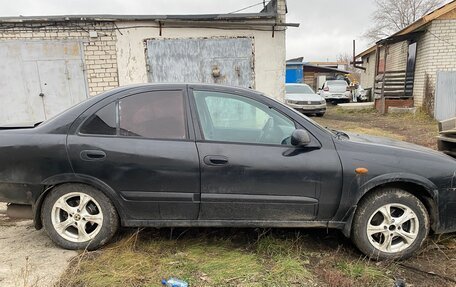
228 61
39 79
445 96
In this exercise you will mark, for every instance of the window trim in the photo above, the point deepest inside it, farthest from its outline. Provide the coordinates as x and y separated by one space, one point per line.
201 137
117 105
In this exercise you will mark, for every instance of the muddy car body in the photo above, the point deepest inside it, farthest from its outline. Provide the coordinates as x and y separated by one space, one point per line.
210 162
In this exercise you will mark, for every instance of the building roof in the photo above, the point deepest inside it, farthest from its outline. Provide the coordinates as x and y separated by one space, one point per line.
418 24
267 15
110 18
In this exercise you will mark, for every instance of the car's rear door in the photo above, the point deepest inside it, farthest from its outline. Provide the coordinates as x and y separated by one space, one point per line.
140 145
249 170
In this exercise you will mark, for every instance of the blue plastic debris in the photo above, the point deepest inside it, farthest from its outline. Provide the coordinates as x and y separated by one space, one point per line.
174 282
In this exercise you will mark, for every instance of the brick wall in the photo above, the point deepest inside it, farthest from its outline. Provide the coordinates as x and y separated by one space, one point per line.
396 58
436 51
100 58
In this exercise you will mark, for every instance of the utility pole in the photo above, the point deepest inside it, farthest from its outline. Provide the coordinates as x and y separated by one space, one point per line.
354 62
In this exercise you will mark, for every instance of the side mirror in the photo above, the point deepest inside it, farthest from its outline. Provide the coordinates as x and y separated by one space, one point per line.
300 138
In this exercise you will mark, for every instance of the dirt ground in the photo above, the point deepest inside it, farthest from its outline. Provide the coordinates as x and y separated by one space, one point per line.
28 257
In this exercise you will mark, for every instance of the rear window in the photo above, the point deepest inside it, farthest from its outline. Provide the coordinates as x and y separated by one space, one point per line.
102 122
337 83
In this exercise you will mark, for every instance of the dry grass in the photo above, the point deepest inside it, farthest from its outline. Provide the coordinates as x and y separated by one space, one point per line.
222 257
416 128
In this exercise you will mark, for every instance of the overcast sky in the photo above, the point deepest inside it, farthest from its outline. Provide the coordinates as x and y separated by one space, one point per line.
327 26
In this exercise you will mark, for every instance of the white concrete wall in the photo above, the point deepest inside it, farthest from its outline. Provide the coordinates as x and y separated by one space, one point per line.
367 76
269 53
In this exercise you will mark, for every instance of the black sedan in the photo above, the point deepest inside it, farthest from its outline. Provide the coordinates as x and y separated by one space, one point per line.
207 155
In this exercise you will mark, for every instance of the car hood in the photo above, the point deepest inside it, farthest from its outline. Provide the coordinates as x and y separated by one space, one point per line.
303 97
375 140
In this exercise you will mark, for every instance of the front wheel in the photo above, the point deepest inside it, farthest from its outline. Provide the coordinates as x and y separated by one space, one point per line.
77 216
390 224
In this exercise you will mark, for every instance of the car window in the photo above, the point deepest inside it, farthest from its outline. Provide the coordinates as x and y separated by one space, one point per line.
233 118
298 89
158 114
337 83
102 122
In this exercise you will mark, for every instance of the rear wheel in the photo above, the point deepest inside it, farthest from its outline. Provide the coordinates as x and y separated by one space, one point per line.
320 114
77 216
390 224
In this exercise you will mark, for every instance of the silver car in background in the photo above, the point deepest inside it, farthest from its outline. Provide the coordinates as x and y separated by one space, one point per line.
301 97
336 91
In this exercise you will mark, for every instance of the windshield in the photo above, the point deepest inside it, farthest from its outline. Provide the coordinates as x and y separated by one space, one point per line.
337 83
298 89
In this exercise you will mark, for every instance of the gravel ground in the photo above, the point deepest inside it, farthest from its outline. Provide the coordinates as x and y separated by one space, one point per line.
28 257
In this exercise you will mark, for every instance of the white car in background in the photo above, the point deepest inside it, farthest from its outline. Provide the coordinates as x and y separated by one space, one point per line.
301 97
336 91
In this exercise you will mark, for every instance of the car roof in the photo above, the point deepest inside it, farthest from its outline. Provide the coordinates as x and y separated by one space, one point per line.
296 84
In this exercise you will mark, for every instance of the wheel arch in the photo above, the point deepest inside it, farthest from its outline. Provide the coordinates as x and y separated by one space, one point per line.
420 187
50 183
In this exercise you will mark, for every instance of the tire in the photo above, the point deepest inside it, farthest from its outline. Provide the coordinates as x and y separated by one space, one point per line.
74 226
397 236
320 114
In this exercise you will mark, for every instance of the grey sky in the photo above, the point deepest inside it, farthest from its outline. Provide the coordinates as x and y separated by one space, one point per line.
327 26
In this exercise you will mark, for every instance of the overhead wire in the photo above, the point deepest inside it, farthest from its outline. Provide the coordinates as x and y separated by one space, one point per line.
248 7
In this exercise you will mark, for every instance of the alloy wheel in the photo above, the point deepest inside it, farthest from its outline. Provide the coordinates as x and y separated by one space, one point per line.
77 217
392 228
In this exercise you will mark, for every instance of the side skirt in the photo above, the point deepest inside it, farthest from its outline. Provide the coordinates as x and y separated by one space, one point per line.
231 223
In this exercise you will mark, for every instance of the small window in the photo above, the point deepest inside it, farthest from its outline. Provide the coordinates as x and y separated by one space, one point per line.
102 122
233 118
158 115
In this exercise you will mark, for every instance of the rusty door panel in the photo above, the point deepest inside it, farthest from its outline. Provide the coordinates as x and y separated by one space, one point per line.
228 61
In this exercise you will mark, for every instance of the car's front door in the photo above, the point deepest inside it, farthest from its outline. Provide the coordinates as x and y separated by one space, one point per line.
140 146
249 169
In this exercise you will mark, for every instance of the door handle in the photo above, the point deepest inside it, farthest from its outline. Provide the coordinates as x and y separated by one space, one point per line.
216 160
92 155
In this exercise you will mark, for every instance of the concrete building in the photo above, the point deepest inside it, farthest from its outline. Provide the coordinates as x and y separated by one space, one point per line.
411 63
48 64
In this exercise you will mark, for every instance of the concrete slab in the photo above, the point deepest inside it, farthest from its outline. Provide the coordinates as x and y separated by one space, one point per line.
397 110
357 106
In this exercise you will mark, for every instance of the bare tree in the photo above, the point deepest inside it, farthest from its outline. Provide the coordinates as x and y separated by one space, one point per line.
346 58
394 15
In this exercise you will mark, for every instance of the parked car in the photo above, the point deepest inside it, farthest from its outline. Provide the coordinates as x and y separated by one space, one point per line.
197 155
302 97
336 91
360 94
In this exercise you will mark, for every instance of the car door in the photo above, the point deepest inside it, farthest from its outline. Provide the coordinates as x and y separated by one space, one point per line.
250 171
141 146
